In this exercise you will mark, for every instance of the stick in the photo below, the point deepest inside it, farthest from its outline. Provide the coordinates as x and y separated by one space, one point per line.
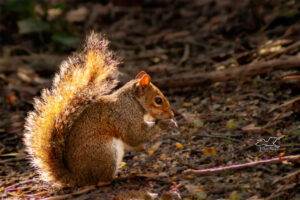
70 195
239 166
230 73
294 45
292 77
12 159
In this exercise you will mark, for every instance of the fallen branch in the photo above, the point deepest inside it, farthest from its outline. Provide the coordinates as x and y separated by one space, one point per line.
230 73
239 166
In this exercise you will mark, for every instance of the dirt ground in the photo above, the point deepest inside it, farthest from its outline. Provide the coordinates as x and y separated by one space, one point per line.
221 120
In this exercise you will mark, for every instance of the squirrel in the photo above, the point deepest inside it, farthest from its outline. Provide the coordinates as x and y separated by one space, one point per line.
79 128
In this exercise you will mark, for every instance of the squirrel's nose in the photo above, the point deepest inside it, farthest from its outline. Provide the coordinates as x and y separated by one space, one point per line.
167 114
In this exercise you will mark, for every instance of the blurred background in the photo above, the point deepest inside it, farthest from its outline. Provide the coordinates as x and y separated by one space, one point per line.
220 119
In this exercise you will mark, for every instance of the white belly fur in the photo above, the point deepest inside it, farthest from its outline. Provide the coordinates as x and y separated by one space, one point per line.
118 147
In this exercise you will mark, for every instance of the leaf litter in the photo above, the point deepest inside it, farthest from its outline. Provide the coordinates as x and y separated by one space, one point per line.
219 123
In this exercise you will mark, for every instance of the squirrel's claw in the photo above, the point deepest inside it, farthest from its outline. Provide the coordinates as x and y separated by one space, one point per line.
167 124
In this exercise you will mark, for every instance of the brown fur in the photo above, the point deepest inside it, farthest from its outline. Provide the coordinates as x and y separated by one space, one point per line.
69 135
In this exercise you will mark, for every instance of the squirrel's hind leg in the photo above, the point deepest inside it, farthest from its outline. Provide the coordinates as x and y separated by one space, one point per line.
94 160
117 148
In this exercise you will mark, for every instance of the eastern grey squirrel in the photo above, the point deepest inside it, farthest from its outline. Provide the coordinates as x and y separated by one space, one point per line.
77 132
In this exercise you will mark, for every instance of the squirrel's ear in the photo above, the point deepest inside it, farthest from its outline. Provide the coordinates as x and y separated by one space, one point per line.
145 80
140 75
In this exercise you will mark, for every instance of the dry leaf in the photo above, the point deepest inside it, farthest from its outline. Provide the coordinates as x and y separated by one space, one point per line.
12 99
251 128
231 124
187 104
77 15
122 164
179 145
210 151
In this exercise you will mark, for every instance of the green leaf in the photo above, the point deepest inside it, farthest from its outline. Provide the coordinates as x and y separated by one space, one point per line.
31 25
235 196
198 123
66 40
60 5
231 124
18 6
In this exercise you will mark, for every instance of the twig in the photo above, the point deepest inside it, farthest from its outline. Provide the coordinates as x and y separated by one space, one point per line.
291 77
263 97
287 103
271 122
185 55
297 172
280 190
294 45
78 192
229 74
219 136
239 166
12 159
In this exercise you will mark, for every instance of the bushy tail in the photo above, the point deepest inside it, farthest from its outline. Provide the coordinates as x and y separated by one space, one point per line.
82 79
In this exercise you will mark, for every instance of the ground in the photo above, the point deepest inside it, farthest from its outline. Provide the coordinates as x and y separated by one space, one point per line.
220 122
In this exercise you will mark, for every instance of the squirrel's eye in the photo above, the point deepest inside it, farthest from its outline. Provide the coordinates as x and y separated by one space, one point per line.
158 100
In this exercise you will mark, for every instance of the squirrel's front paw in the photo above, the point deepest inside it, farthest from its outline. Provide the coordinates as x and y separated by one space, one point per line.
167 124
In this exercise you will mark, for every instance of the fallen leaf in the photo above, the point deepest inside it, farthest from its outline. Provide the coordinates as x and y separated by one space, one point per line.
179 145
235 196
65 40
163 156
78 15
198 123
31 25
251 128
196 192
150 153
12 99
210 151
231 124
122 164
187 105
